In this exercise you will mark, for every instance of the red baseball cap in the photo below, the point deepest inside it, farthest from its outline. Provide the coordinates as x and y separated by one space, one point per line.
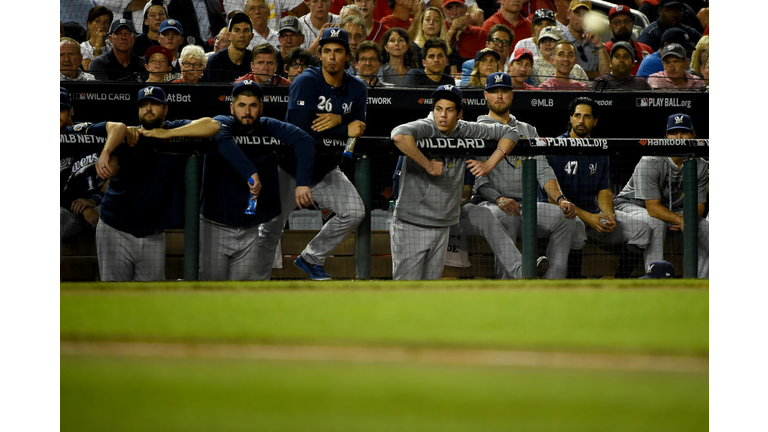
447 2
522 52
618 10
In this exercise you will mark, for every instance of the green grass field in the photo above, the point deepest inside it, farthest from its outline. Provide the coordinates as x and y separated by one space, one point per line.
440 379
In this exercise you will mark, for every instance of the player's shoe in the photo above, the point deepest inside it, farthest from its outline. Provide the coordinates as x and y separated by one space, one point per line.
316 272
542 265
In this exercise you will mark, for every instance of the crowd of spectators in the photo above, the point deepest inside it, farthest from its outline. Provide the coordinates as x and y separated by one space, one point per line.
228 32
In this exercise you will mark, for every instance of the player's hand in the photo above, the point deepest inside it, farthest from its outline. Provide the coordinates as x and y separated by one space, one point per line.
81 204
155 133
435 168
569 210
304 197
106 167
326 121
678 226
132 135
510 206
594 221
478 168
610 222
355 129
91 216
255 188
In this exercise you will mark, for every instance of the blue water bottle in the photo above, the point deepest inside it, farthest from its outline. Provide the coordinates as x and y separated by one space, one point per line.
251 209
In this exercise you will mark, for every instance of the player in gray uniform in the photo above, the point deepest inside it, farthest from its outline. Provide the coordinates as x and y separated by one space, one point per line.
429 195
655 194
501 190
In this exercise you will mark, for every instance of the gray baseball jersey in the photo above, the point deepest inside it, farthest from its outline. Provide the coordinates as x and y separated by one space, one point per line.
658 177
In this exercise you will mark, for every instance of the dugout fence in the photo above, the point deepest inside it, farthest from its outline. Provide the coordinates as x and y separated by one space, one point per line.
376 156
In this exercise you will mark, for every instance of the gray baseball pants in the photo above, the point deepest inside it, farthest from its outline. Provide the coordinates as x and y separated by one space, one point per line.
123 257
418 252
480 220
227 253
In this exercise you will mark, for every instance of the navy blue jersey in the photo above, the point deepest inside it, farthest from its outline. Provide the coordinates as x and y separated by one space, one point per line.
225 190
310 95
144 197
220 68
581 178
77 169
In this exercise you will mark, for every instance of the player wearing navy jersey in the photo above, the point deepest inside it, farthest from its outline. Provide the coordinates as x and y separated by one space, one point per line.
327 102
143 197
80 186
229 236
501 191
585 181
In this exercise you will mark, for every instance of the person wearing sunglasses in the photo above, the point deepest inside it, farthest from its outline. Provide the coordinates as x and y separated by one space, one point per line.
591 54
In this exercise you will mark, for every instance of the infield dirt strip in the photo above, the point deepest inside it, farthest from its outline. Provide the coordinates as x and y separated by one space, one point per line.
393 355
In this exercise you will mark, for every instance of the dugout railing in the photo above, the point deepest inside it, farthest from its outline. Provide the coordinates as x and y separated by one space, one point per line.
624 114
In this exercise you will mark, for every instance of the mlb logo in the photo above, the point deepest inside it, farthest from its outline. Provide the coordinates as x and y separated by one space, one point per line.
540 142
642 102
80 96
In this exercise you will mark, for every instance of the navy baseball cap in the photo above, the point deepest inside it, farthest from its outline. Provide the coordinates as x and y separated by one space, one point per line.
336 35
679 121
669 3
485 51
65 101
543 14
122 22
151 93
238 18
171 24
244 85
498 79
449 92
659 270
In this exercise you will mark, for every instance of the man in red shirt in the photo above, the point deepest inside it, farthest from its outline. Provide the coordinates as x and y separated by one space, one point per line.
509 15
470 39
622 22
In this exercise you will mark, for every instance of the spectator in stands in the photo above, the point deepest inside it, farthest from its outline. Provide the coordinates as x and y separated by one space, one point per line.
277 11
399 57
531 6
585 181
318 19
700 54
467 38
355 28
509 15
705 71
144 197
520 69
486 63
158 63
403 12
201 18
475 16
264 67
655 194
540 19
170 36
591 53
70 60
542 66
258 12
297 61
670 16
652 63
675 74
562 8
563 59
221 41
620 77
435 58
81 189
235 61
368 60
430 191
352 9
499 39
694 14
501 190
120 63
96 43
193 63
374 29
622 22
431 24
290 37
154 14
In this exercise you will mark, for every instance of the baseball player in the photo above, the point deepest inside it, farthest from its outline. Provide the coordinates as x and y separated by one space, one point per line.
229 236
327 102
429 195
654 193
81 188
501 191
585 180
143 197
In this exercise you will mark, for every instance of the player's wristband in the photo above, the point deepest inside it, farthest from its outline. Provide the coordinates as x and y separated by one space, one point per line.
502 150
559 198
